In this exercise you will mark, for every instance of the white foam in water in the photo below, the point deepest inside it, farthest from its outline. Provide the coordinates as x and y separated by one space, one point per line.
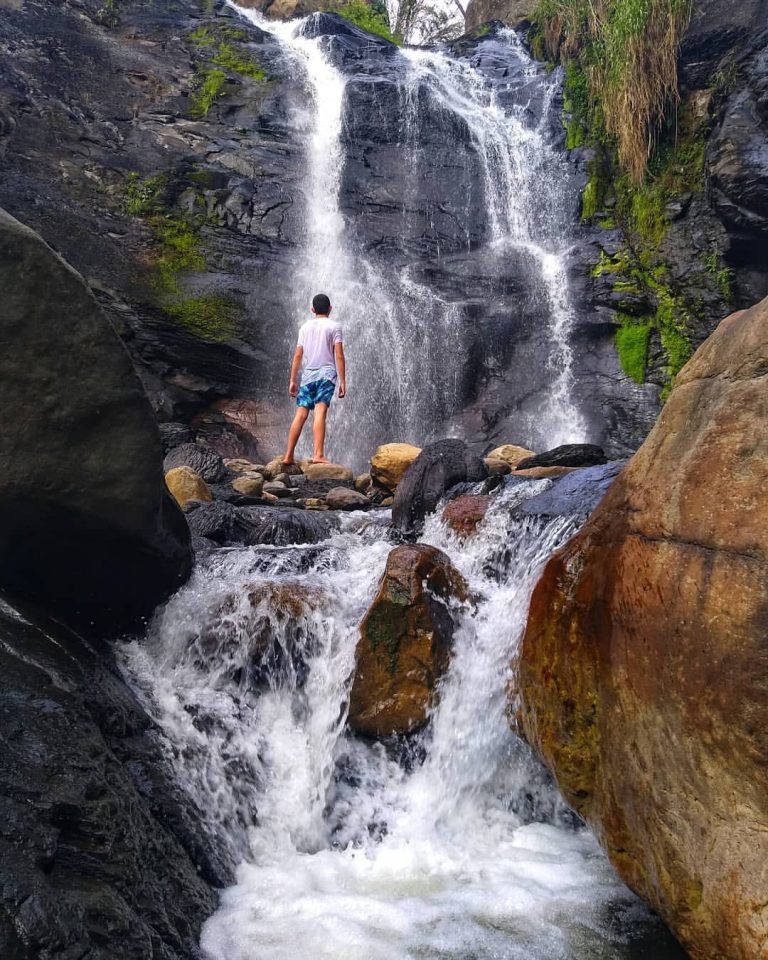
347 853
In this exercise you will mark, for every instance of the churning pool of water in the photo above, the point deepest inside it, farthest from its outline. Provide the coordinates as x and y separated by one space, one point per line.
455 846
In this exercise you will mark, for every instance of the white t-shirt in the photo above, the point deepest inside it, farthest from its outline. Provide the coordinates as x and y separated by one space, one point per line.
318 337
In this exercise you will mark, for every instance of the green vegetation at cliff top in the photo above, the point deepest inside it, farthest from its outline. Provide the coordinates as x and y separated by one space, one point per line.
371 17
627 54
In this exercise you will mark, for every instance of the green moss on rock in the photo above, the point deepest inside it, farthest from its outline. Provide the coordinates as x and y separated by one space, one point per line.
632 340
208 317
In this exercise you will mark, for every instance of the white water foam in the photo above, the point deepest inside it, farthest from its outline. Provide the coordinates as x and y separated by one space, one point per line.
350 851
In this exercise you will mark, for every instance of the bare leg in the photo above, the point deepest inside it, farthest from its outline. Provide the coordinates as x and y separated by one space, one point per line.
318 430
295 432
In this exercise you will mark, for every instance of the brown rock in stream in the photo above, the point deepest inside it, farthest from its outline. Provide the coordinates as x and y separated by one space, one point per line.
405 642
464 513
644 668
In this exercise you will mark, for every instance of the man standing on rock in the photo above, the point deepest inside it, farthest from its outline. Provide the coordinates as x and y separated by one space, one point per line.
320 357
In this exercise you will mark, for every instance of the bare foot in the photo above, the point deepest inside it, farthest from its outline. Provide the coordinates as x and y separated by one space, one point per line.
288 463
319 460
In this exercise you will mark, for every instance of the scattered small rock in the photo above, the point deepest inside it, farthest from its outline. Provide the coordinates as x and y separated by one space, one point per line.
540 473
342 498
277 489
510 454
328 471
465 513
363 482
250 486
240 465
185 485
389 463
497 468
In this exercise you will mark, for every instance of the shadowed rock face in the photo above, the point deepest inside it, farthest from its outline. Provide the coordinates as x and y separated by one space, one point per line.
644 667
100 854
87 527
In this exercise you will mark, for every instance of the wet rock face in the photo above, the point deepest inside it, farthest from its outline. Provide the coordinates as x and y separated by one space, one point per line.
738 163
124 84
644 662
99 856
405 642
87 527
438 467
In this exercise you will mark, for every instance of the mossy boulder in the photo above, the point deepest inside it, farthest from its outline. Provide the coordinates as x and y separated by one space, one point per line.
405 642
643 666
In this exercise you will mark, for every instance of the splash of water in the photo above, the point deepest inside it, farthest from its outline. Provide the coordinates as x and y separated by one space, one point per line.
347 852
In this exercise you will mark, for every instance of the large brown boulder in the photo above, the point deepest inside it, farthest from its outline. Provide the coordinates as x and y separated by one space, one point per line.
405 642
87 527
644 667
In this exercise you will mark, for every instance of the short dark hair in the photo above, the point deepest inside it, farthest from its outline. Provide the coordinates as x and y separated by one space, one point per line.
321 304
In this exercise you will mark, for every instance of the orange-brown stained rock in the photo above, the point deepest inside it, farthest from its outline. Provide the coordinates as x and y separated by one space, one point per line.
464 513
405 642
644 667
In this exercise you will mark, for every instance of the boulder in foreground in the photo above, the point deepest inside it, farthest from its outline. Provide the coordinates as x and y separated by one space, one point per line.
87 526
405 642
644 664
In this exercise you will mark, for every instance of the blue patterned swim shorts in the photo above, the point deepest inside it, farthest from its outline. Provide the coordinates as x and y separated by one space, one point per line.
318 391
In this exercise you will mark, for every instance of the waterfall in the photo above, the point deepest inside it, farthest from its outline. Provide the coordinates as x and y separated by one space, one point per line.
454 844
407 342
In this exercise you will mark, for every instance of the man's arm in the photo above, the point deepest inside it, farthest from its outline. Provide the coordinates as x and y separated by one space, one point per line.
293 387
341 366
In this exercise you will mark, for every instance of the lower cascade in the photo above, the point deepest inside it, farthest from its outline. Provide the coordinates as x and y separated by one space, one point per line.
449 843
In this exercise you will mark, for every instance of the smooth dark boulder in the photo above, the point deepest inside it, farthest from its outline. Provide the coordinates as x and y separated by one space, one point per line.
437 468
101 856
206 463
216 521
284 526
87 527
575 495
568 455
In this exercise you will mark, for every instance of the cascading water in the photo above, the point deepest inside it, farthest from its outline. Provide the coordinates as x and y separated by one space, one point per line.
347 852
408 343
